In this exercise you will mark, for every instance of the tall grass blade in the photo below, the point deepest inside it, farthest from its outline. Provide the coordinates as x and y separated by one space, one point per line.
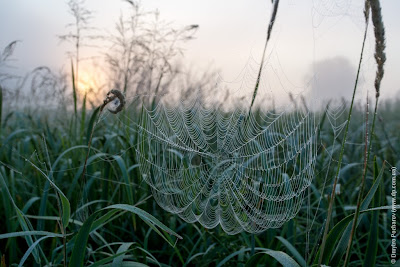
83 116
333 194
339 228
342 230
78 253
360 193
270 26
22 221
43 205
65 206
74 93
125 176
372 247
92 122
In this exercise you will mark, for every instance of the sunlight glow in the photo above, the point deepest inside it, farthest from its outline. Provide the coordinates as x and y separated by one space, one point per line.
86 83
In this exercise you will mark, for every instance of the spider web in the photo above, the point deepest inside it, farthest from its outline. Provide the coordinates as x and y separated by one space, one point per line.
209 166
242 172
209 161
219 166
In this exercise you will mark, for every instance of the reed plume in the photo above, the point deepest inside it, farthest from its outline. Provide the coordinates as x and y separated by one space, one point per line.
380 44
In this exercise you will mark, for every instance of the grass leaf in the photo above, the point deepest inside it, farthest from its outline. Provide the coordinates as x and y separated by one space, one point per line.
122 250
78 253
147 218
29 233
343 226
65 206
30 249
293 251
279 256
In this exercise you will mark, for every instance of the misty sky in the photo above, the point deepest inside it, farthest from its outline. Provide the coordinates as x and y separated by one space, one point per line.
314 49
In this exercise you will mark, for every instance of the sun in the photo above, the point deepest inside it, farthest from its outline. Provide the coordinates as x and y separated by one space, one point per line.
86 83
89 85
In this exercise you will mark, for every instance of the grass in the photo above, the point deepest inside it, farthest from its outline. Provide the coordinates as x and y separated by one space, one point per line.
41 167
72 194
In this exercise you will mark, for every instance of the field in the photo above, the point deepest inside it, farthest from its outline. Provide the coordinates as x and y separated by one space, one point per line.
130 177
113 217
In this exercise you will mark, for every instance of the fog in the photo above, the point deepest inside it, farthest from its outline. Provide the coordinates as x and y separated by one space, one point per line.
317 42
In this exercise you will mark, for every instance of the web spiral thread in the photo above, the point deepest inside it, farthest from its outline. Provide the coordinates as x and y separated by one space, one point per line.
216 167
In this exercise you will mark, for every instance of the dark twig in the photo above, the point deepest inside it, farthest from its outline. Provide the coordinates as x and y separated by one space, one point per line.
112 95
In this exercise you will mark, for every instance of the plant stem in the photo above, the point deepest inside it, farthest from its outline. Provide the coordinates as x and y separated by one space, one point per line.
115 94
271 24
380 58
360 193
332 199
252 244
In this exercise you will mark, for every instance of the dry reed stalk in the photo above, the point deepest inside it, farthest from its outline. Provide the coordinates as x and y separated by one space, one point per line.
270 26
380 43
380 58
